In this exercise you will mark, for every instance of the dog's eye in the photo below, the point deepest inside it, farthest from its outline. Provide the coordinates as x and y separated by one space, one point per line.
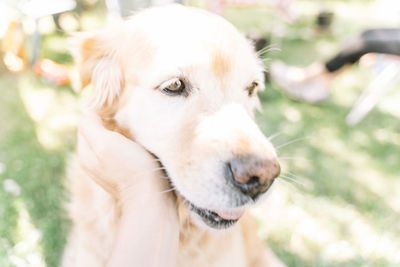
174 87
252 88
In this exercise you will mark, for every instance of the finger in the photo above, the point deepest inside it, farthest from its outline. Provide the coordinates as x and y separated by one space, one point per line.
97 136
108 144
91 124
86 155
90 163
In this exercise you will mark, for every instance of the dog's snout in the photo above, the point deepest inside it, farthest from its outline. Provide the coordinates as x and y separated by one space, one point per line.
253 175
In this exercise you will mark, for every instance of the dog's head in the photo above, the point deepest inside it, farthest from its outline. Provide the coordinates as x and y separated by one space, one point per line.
184 83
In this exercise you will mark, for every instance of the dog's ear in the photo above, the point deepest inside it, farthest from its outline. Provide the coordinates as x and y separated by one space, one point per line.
97 63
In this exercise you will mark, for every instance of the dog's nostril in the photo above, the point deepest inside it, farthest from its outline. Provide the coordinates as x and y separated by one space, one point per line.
252 175
253 181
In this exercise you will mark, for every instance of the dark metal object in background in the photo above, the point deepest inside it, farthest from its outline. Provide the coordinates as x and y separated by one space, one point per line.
324 20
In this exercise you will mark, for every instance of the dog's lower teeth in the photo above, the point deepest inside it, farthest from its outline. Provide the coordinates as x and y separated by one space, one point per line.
212 218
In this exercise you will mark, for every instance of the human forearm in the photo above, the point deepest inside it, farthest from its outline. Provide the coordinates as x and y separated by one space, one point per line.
147 234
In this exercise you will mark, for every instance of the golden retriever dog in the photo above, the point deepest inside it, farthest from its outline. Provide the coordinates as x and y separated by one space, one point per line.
183 82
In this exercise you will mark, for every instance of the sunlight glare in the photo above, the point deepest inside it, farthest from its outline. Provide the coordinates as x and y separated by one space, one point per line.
27 250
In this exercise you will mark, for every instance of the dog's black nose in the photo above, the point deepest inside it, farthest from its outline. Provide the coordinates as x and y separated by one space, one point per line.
253 175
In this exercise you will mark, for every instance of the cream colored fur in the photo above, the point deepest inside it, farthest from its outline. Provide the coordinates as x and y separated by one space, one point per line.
192 135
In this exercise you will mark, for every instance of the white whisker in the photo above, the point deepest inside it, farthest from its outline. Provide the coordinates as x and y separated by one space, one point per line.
292 141
292 174
287 182
291 179
274 135
266 59
295 176
168 190
270 48
297 158
150 171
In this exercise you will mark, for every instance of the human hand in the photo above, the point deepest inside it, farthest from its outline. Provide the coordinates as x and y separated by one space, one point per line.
119 165
148 224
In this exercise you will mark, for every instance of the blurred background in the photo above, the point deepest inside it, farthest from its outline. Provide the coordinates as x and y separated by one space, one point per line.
337 202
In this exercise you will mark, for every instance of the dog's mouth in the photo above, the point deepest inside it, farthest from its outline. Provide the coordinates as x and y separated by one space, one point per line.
220 219
217 219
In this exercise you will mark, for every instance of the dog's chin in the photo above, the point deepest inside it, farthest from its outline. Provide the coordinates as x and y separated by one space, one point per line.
212 219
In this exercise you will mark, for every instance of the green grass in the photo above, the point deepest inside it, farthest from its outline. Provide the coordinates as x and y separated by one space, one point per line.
343 209
336 168
38 173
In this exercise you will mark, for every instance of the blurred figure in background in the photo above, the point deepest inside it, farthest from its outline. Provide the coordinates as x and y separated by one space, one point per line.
311 83
286 7
124 8
15 57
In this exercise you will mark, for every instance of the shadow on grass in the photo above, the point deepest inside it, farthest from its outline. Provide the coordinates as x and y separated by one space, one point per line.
38 173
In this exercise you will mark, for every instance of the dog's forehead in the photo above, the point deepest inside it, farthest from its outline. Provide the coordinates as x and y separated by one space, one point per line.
178 23
181 41
178 32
